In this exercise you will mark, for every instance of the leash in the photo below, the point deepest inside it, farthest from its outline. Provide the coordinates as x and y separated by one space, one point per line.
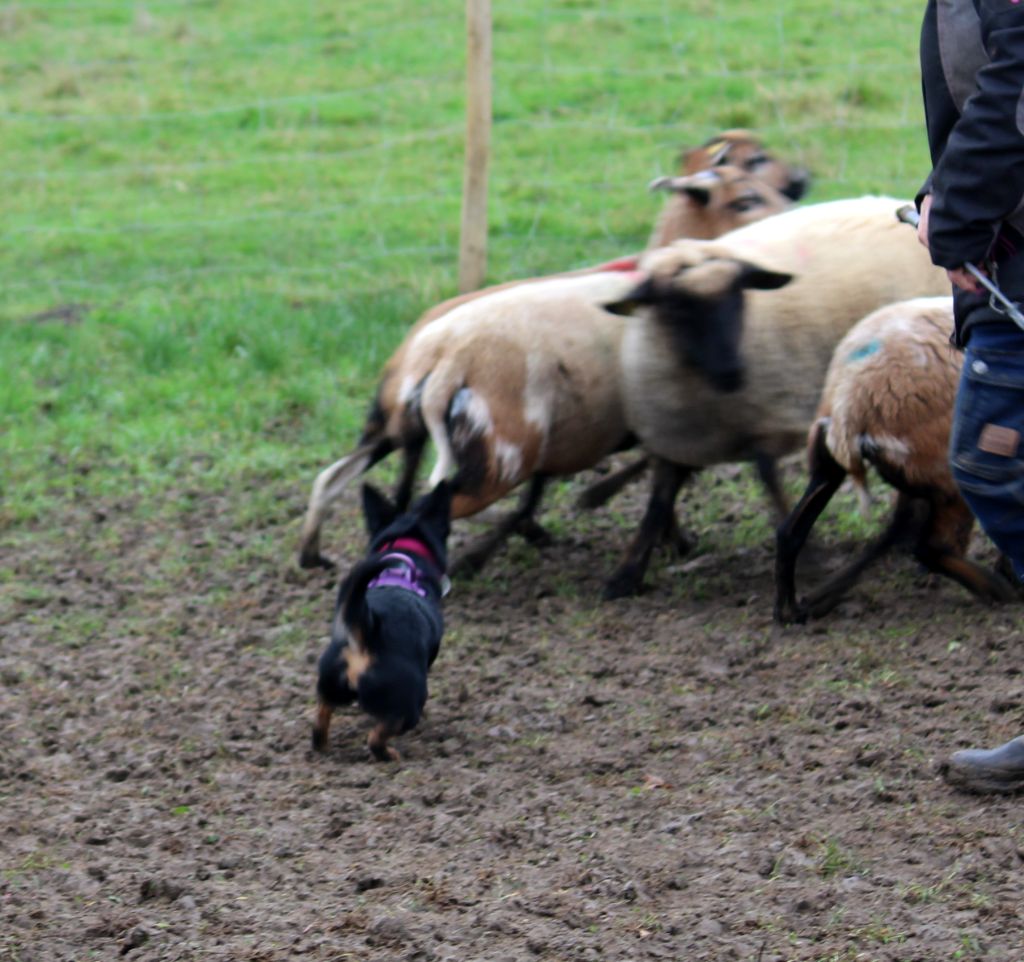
998 301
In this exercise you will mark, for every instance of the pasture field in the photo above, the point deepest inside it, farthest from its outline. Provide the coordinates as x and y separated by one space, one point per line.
218 218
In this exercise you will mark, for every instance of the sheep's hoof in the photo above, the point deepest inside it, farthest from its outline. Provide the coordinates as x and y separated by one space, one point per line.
471 561
313 559
467 565
625 583
787 613
534 533
680 542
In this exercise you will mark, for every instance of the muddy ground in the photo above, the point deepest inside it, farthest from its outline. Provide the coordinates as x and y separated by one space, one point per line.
669 777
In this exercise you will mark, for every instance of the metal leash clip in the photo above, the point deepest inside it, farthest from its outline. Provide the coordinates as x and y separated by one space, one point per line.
997 300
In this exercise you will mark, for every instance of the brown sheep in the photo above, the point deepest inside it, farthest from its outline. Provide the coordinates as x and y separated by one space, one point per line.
685 214
888 403
468 344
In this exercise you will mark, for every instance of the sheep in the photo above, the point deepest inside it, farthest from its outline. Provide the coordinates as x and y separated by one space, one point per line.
552 430
887 402
715 369
686 214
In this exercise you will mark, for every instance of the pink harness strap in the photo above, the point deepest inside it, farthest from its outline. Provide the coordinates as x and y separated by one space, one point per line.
405 575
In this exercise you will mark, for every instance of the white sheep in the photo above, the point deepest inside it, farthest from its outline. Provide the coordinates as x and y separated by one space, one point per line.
714 371
888 403
513 383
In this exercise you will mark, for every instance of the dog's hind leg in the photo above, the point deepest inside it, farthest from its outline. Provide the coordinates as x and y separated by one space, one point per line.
377 742
322 726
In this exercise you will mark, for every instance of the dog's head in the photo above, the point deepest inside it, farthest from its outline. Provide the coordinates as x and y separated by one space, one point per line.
428 520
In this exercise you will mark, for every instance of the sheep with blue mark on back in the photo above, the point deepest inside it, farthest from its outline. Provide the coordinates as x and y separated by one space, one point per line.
888 403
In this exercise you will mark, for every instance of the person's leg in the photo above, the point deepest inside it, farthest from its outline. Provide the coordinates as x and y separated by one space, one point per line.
987 458
987 443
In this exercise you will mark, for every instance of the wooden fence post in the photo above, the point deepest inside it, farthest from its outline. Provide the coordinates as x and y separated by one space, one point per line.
473 233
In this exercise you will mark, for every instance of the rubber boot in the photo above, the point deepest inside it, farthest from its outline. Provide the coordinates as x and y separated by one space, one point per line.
995 770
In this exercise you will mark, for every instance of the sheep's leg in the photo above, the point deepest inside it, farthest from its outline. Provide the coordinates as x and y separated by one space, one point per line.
948 524
628 577
604 490
826 477
677 539
470 561
767 471
528 526
826 597
413 455
327 488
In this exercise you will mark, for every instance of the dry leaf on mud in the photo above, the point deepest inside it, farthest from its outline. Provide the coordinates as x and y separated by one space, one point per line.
651 782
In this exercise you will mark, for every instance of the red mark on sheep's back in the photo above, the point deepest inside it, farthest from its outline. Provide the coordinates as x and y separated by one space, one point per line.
622 264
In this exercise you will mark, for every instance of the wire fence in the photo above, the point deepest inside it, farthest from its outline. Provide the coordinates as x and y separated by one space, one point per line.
182 141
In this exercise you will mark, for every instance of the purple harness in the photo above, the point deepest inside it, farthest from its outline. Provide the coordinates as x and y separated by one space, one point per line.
406 576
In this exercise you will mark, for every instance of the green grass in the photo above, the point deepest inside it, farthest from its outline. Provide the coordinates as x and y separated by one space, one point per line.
219 217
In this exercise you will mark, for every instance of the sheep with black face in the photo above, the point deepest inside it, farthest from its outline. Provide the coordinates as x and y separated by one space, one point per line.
726 356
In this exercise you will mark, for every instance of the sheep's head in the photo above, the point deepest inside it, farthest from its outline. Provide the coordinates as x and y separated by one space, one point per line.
726 197
698 297
743 150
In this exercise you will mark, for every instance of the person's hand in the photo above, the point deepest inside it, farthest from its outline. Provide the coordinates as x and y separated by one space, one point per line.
958 276
922 223
964 280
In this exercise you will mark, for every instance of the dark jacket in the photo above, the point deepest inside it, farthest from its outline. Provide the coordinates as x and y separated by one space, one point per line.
972 75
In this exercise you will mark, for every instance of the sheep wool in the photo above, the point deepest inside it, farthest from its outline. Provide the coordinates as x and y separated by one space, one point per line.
889 393
847 258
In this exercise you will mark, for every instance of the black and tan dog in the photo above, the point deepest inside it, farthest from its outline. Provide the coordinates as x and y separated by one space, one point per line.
387 622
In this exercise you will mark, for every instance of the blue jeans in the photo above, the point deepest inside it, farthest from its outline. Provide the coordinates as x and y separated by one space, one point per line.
987 444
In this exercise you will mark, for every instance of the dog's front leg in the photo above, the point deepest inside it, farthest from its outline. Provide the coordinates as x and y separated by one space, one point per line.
322 726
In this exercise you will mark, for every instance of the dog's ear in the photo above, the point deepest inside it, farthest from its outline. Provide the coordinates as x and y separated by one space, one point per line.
435 512
439 501
378 511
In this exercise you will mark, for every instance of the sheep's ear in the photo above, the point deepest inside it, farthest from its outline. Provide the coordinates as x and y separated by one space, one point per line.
717 153
698 187
642 294
378 511
700 194
762 279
